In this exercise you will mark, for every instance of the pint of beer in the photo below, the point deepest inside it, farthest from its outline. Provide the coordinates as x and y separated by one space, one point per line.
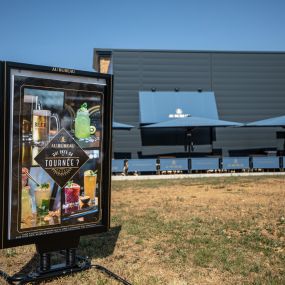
41 125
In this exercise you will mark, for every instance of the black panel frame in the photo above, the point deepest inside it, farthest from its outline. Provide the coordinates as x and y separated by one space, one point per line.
61 239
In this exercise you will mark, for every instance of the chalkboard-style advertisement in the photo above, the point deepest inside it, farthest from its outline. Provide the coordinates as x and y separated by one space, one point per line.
55 153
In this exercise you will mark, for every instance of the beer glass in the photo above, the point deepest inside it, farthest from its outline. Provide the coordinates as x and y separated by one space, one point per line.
30 102
41 125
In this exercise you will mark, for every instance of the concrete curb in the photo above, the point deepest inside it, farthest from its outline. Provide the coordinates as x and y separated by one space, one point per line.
201 175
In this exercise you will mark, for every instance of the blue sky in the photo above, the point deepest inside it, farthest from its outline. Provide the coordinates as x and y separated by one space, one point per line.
64 32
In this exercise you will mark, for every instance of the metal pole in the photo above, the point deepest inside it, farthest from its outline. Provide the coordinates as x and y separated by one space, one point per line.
44 261
70 257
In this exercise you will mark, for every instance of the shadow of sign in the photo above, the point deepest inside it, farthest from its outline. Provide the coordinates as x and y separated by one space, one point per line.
101 245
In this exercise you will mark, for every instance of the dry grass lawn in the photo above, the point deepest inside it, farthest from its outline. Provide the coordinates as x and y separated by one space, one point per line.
189 231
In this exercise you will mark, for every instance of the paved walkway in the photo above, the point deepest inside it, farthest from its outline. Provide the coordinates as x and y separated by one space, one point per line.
200 175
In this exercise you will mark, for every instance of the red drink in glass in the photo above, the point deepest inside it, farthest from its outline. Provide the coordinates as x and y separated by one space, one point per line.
72 193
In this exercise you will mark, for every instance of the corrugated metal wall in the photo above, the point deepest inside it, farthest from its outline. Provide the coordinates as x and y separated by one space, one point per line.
247 86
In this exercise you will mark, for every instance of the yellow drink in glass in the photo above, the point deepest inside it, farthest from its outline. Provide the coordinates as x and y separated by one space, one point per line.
90 179
26 205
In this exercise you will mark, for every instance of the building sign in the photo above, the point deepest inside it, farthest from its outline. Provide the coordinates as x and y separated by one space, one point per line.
62 158
178 114
55 144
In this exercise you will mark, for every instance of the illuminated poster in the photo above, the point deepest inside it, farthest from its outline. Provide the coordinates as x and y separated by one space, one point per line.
55 153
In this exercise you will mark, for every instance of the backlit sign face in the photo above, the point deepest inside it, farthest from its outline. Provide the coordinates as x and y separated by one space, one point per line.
56 153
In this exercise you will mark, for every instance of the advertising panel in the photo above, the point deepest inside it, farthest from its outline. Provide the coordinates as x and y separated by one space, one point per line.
56 145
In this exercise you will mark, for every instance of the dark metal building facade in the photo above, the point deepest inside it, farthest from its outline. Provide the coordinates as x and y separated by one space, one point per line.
248 86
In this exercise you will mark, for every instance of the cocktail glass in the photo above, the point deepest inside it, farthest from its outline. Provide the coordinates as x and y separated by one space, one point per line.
90 179
42 197
82 124
26 206
72 192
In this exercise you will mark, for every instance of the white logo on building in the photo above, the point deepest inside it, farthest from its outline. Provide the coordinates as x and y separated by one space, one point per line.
178 114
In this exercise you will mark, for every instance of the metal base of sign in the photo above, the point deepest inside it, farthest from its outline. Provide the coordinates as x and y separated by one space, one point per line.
47 270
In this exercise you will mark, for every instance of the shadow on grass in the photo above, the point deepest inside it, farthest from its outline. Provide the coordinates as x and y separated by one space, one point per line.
22 274
30 266
99 245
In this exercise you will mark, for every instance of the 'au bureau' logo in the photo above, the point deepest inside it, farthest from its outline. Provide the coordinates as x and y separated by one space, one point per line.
63 70
62 158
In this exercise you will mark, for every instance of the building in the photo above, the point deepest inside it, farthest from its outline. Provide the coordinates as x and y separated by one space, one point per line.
248 86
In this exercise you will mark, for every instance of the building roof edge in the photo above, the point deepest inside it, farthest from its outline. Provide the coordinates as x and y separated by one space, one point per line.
188 51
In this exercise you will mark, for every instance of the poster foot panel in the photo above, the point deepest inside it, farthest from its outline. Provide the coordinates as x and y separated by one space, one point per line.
46 271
